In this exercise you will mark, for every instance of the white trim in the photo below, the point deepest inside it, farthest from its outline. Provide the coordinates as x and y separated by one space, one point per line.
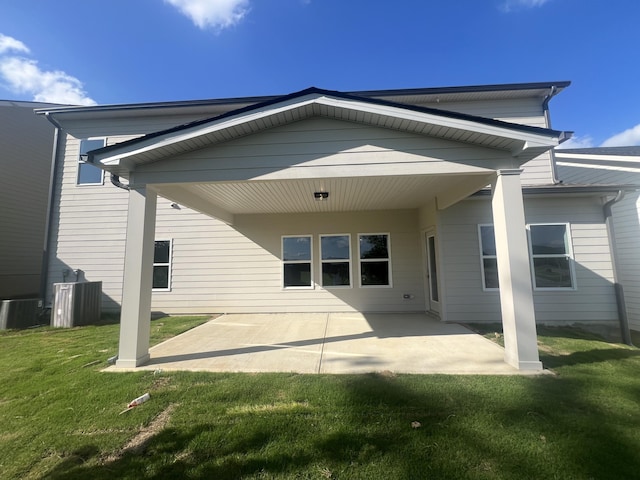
388 260
526 140
599 166
284 262
349 260
569 254
162 264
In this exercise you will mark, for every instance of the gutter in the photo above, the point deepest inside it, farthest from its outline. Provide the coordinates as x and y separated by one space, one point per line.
553 91
607 209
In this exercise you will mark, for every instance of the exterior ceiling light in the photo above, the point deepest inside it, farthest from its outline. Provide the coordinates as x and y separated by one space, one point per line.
320 196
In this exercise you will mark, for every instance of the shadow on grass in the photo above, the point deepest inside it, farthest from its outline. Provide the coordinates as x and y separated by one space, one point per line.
360 427
587 357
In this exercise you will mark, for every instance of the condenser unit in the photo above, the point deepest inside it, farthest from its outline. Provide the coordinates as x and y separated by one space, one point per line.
20 313
76 304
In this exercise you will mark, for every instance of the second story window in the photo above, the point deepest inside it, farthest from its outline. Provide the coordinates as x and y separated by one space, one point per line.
89 174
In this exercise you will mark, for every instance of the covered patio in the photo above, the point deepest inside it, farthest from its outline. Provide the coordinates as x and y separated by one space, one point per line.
329 343
280 157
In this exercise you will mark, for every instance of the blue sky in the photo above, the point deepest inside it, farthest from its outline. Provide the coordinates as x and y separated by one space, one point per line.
128 51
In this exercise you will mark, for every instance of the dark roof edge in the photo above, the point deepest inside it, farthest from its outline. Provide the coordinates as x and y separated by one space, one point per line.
262 99
345 96
464 89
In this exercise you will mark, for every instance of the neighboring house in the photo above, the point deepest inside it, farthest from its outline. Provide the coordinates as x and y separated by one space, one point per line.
25 164
614 165
327 201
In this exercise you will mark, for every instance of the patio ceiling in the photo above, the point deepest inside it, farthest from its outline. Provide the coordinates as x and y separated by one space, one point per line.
223 200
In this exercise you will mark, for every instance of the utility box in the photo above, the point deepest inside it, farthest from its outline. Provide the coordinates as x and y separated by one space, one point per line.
19 313
76 304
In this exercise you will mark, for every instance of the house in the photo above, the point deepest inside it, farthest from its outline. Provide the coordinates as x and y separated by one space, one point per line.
25 161
319 200
617 166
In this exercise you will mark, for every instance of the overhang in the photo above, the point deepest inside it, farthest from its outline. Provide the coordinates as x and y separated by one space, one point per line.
522 142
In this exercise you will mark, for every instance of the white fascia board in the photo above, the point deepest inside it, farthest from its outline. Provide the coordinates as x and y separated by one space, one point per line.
630 169
172 138
440 120
590 156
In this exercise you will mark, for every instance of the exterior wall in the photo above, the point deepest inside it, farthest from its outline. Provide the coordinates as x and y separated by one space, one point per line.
26 144
626 223
593 299
526 111
218 268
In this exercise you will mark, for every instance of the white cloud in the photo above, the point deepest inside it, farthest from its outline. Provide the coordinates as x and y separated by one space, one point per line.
217 14
510 5
9 44
23 76
628 138
577 142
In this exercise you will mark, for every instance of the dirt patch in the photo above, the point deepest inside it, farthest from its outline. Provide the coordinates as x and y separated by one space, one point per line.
138 443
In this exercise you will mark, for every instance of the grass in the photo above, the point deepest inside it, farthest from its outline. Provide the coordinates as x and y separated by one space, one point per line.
59 416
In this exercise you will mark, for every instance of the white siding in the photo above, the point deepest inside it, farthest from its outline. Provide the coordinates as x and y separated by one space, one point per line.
592 301
26 144
525 111
626 223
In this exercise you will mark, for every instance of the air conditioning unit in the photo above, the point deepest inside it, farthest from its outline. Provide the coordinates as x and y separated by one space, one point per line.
76 304
19 313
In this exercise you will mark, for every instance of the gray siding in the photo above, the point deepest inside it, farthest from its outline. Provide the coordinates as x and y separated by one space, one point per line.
26 144
526 111
626 222
592 301
218 268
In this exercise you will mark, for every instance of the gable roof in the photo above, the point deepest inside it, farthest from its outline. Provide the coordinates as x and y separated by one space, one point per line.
523 141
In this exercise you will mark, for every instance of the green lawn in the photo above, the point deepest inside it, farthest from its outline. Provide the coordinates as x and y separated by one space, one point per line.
60 417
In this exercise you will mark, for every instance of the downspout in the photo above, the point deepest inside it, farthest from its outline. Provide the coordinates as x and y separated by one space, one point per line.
44 268
115 179
547 118
622 309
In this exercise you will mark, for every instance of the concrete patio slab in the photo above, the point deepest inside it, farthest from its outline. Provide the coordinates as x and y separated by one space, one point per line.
329 343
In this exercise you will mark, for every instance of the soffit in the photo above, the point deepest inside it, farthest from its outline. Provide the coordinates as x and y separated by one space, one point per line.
523 142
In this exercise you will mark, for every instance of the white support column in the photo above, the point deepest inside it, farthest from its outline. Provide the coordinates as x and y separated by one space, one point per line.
135 319
514 272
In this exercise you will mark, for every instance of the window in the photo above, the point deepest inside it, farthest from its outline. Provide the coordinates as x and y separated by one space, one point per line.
375 261
162 265
89 174
489 263
296 260
335 254
551 256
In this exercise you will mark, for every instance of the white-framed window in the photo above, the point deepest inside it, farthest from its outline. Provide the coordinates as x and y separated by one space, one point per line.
89 174
297 271
488 259
374 253
335 260
162 255
551 256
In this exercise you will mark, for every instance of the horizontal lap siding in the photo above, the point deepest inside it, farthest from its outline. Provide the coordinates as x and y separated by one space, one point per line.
229 271
26 143
594 298
216 268
627 227
626 221
525 111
